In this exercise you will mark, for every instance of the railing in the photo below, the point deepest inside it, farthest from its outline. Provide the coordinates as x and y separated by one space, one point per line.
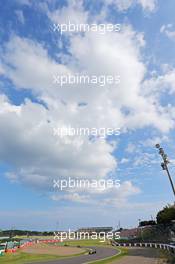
167 247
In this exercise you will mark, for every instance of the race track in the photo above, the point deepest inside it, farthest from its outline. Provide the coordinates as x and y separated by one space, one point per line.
101 253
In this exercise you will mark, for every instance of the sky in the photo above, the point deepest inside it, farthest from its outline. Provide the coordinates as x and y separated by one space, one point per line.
142 105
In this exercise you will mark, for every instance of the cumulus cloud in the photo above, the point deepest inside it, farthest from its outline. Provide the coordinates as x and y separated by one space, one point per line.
115 197
28 129
73 12
120 51
24 130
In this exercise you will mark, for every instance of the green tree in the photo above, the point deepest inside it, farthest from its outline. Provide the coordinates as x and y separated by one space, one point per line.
166 215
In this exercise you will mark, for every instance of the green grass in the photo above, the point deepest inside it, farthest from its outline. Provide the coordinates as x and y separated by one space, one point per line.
85 243
167 256
21 257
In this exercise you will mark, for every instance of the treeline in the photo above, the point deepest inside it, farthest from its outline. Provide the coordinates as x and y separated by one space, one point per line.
161 230
16 232
164 217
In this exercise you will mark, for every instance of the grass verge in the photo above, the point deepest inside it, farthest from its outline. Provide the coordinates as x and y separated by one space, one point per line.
22 257
167 257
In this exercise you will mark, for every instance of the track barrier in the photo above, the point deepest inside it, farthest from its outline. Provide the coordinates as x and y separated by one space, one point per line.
12 247
167 247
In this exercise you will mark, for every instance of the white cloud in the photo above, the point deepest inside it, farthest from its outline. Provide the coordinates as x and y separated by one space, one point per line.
166 81
116 197
119 197
130 148
73 197
167 30
145 159
123 5
20 16
124 161
152 141
148 4
43 157
73 13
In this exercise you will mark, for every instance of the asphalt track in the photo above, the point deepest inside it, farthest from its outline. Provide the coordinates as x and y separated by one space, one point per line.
101 252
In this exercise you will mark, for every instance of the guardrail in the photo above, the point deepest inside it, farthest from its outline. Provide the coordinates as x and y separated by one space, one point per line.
167 247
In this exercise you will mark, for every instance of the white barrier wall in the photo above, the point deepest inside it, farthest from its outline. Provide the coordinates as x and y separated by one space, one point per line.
168 247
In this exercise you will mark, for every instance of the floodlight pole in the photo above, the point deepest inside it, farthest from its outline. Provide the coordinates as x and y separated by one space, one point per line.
170 179
164 165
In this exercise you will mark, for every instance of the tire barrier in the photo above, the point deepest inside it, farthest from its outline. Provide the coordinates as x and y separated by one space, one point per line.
48 241
167 247
12 247
11 250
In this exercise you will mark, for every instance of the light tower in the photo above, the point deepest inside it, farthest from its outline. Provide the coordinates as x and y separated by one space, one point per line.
164 165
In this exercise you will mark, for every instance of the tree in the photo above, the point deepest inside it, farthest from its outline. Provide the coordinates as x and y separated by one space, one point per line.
166 215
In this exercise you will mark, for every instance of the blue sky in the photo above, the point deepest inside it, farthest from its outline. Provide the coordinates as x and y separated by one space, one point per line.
143 106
